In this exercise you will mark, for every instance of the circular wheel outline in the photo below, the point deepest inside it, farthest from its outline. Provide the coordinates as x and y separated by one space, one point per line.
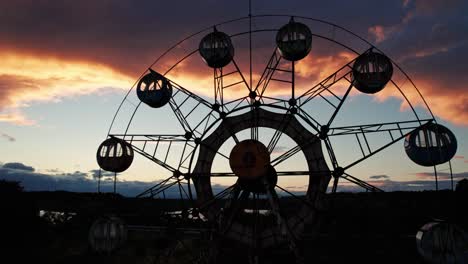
230 113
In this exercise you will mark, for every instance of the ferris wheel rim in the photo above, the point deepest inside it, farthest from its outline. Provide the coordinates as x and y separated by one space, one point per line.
370 47
166 52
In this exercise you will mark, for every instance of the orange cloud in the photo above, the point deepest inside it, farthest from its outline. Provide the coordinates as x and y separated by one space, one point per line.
448 104
26 79
309 71
381 33
319 67
16 117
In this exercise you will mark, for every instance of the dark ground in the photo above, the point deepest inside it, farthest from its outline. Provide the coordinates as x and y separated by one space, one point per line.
356 228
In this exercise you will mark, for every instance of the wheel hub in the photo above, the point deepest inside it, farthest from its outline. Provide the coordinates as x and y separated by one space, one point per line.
249 159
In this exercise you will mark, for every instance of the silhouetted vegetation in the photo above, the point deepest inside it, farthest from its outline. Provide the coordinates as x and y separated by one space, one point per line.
377 226
10 187
462 186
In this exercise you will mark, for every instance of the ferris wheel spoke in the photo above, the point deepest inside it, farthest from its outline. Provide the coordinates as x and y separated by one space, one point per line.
278 173
286 155
159 148
302 200
395 131
214 150
312 122
361 183
277 135
160 187
220 86
191 94
180 116
343 73
241 75
273 200
220 195
331 153
254 125
223 174
161 163
335 184
234 206
337 109
282 223
267 74
186 106
233 196
296 173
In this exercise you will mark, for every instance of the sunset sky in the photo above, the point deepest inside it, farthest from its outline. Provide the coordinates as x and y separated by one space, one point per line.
66 66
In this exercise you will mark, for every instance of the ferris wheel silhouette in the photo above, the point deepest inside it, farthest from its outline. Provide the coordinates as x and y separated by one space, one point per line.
244 130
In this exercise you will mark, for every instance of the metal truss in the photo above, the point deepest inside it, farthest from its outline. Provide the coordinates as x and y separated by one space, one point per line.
199 117
219 77
395 131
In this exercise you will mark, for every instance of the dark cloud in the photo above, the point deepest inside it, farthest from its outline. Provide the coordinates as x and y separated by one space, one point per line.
428 7
431 45
127 35
428 38
8 137
75 182
84 182
377 177
101 173
17 167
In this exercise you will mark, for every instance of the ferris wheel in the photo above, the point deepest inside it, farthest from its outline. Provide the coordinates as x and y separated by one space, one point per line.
238 148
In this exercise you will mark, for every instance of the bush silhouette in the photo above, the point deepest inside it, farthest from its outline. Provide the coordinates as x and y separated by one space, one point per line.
10 187
462 186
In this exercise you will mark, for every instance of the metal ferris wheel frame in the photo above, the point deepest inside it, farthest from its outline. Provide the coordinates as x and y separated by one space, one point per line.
226 117
221 107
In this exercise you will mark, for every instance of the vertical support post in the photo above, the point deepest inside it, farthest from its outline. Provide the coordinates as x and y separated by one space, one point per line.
436 178
99 182
250 43
451 174
335 185
219 87
292 80
115 182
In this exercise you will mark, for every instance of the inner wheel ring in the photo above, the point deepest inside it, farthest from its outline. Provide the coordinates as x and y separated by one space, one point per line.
319 176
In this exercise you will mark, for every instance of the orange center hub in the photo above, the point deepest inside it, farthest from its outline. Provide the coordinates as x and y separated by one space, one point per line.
249 159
